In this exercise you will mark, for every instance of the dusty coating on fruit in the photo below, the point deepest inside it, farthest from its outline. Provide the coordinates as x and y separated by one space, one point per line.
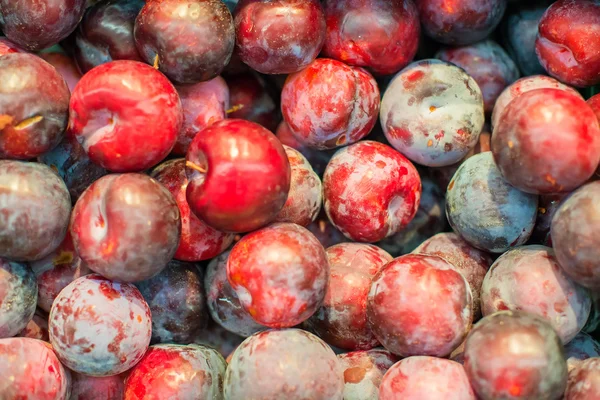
515 355
203 104
519 31
485 210
198 241
370 191
429 220
330 104
18 297
547 142
272 365
223 304
341 320
432 112
525 85
584 381
488 64
34 210
246 176
426 378
70 161
30 370
568 45
379 35
472 263
34 106
460 22
126 227
279 274
99 327
185 372
37 328
177 302
191 40
530 279
305 196
85 387
126 115
106 34
252 100
575 235
279 37
217 337
55 271
36 26
400 312
582 347
363 371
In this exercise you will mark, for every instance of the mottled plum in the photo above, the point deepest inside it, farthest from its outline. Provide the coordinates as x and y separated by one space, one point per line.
18 297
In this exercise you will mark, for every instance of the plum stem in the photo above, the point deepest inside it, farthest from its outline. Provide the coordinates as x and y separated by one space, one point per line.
155 64
235 108
26 123
195 167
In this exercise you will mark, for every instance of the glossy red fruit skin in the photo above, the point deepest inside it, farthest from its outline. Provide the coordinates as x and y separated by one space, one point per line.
379 35
561 159
342 319
106 34
185 372
246 176
279 37
460 22
399 306
329 104
99 327
421 377
203 104
85 387
34 106
7 47
198 241
126 115
36 26
65 66
363 371
35 370
371 191
500 366
488 64
190 40
279 274
565 45
126 227
251 100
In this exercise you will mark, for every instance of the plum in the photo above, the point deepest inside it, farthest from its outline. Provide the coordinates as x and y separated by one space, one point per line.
18 297
99 327
432 112
519 32
126 115
582 347
217 337
85 387
363 371
176 298
325 232
426 378
34 106
400 311
34 210
36 328
106 33
273 365
239 176
584 381
29 369
126 227
251 100
547 142
198 241
488 64
223 303
575 235
547 207
379 35
530 279
472 263
279 274
188 40
305 196
342 318
485 210
370 191
65 66
515 355
279 37
186 372
330 104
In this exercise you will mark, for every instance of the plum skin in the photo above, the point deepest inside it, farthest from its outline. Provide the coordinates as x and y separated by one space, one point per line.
18 297
363 371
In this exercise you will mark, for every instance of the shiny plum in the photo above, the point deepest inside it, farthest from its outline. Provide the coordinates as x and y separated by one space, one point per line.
251 100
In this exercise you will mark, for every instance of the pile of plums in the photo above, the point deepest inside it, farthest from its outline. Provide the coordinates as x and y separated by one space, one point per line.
299 200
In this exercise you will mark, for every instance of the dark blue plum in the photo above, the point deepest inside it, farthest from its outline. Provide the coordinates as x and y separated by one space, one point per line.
18 297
